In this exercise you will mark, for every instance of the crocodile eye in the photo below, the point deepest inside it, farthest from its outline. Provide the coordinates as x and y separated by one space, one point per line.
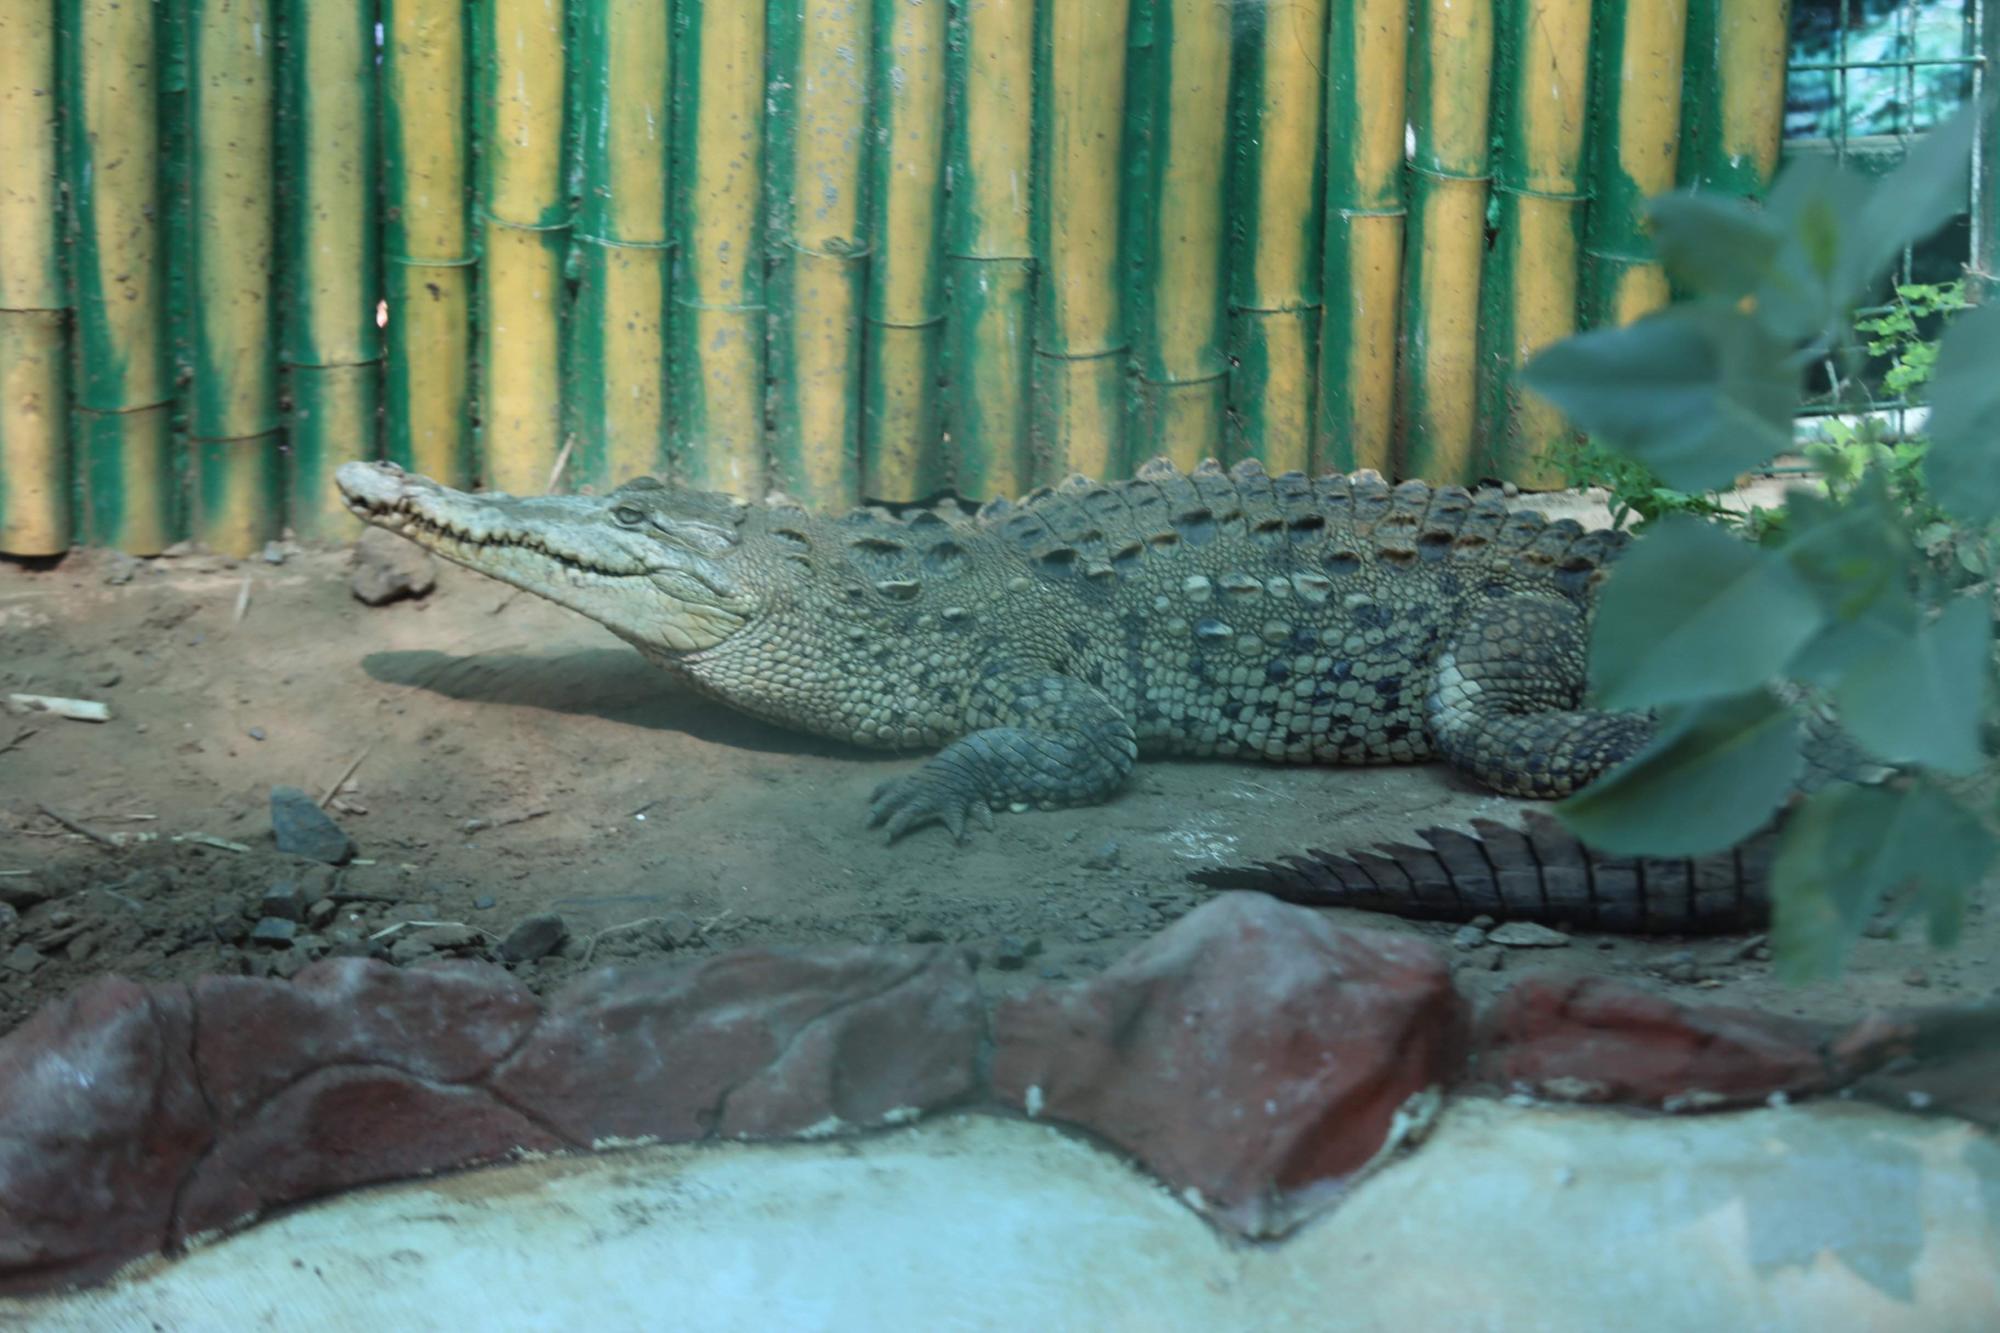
630 515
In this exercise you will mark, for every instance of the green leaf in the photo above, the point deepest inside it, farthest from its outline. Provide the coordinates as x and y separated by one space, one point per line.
1800 297
1963 466
1929 189
1850 555
1917 696
1697 393
1846 849
1692 612
1714 244
1710 777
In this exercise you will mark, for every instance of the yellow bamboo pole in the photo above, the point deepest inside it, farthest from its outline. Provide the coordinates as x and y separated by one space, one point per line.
991 264
719 344
1735 120
1276 282
1451 79
901 459
523 231
618 373
1531 296
34 445
331 257
1080 333
1634 152
123 391
822 56
427 242
1182 391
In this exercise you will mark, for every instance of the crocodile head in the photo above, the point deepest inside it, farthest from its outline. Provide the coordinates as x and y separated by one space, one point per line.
649 561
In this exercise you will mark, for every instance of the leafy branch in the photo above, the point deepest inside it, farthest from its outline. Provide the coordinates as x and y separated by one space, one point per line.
1842 600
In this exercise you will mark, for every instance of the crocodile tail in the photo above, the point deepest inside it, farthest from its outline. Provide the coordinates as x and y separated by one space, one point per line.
1538 872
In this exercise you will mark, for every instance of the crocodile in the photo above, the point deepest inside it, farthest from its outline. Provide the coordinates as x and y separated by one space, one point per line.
1038 647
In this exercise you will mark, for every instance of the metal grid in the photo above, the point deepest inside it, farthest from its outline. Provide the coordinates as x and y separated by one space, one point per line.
1865 78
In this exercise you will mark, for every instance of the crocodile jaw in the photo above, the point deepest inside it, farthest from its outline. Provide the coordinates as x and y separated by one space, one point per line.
566 548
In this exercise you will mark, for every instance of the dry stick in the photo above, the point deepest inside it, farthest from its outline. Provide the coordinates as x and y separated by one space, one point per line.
341 781
74 827
242 602
19 736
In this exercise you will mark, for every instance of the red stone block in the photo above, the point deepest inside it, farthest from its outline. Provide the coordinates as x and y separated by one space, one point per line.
100 1119
1250 1052
1588 1039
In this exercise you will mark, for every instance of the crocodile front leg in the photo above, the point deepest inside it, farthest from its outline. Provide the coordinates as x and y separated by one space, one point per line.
1042 739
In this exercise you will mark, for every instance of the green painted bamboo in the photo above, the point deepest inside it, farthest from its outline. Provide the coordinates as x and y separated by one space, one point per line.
717 339
34 445
121 389
1451 73
1138 232
817 175
1733 121
332 344
1634 150
524 236
1178 324
1080 338
901 435
1529 293
233 402
989 262
618 349
427 255
1277 185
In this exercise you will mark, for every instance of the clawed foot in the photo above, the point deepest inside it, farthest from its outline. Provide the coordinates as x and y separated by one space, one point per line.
923 797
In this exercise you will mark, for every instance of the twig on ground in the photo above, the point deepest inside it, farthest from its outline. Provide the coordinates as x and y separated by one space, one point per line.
341 781
76 710
242 603
19 736
85 830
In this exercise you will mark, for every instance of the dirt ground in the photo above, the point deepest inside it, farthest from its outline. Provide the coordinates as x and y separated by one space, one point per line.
510 758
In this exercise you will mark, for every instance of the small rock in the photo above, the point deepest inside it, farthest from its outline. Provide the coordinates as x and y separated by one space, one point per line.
1763 954
274 553
256 733
1682 972
1748 949
482 904
10 921
286 965
448 936
1468 937
924 933
679 929
121 570
81 948
1497 961
1483 921
21 892
287 901
388 568
1527 935
1013 953
1916 976
23 959
1104 858
274 932
229 927
106 677
408 950
1881 928
322 912
303 829
535 938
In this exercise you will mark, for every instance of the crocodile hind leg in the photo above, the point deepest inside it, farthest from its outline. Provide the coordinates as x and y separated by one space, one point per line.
1503 706
1041 739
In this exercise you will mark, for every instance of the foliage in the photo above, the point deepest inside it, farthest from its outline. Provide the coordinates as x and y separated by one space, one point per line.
1870 594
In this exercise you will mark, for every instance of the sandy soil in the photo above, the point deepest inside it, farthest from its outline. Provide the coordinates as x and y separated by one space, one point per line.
516 759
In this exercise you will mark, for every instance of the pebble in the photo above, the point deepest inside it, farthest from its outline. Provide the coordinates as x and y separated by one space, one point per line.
274 932
81 948
409 949
286 900
255 733
286 965
924 933
1749 948
22 959
303 829
1482 921
1527 935
1104 858
322 912
274 553
535 938
450 935
387 568
1916 976
484 904
1013 953
1468 937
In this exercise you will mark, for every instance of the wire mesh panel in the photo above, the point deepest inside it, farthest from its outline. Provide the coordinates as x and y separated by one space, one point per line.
1865 78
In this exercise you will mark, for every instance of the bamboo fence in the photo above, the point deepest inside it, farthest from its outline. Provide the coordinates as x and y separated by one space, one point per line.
850 249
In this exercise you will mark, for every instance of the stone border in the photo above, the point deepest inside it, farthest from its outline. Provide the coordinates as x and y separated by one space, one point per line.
1253 1056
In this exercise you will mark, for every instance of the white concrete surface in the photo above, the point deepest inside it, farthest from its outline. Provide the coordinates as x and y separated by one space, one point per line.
1824 1218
